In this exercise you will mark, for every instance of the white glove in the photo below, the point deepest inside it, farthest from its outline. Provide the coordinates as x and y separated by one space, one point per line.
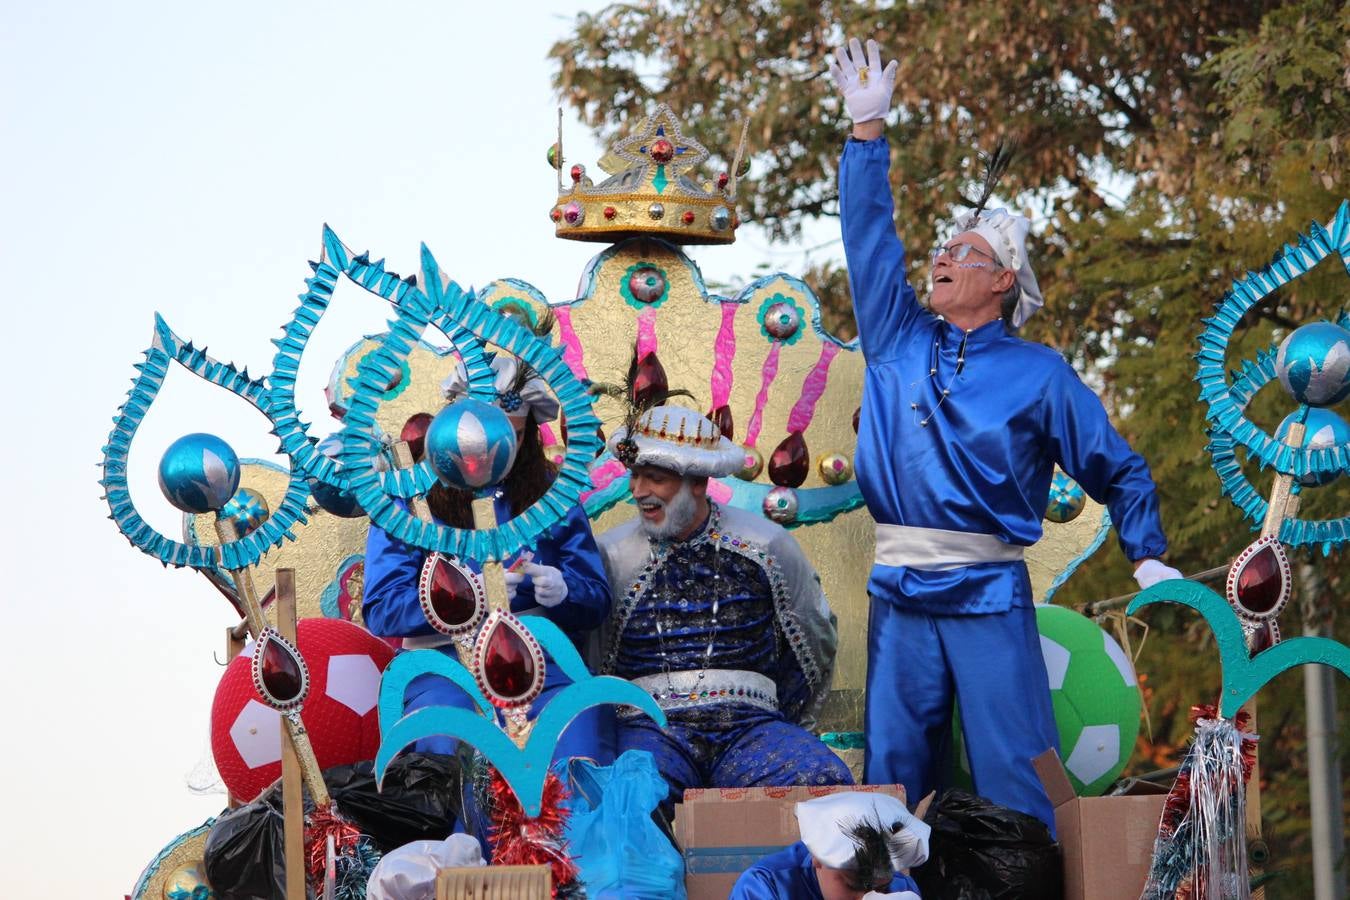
897 895
549 587
866 87
1152 571
513 580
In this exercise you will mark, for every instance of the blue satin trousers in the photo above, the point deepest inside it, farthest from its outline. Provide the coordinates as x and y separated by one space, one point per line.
991 665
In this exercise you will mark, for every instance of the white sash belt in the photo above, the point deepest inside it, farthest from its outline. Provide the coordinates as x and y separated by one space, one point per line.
935 549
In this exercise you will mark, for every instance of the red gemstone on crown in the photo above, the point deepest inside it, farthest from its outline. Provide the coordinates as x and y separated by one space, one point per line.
555 214
610 212
687 218
722 180
281 672
415 433
662 151
721 417
790 461
650 385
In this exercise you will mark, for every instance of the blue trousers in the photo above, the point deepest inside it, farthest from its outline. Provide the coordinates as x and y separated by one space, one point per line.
991 665
730 745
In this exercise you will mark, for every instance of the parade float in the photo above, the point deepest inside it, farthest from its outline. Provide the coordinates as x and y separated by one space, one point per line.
312 699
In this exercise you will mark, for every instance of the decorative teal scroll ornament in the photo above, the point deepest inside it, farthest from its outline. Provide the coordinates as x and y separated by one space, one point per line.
1243 674
1313 368
166 348
524 768
467 321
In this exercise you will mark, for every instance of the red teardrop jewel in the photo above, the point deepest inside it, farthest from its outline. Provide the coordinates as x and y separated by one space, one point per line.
508 661
790 461
721 417
857 413
649 383
1262 636
279 674
452 599
1259 581
415 433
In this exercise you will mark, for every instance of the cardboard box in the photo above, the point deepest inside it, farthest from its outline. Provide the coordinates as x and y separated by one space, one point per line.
724 831
1107 841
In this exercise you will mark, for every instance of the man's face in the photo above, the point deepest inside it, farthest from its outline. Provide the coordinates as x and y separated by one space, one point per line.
840 884
970 289
667 502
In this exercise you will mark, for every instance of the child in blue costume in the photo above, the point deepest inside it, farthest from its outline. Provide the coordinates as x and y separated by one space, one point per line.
962 425
854 845
562 577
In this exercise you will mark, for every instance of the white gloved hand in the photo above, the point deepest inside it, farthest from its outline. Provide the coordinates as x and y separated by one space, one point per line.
513 580
549 587
895 895
866 87
1152 571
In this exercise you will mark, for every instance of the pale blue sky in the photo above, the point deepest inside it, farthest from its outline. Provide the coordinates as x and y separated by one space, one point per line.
182 158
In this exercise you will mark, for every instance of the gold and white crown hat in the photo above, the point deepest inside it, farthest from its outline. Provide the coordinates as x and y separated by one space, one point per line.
826 822
682 440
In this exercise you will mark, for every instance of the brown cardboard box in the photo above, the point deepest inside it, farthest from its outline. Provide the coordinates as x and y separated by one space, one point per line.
1107 841
725 831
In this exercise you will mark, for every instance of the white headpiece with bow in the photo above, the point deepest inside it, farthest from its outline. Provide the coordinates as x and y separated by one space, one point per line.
531 396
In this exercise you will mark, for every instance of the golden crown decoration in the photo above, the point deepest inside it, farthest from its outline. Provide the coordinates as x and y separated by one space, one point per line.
651 190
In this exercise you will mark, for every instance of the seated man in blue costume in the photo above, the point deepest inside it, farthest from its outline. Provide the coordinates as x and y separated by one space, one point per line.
853 846
561 577
718 615
962 425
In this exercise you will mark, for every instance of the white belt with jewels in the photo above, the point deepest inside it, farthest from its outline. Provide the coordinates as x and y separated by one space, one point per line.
683 690
936 550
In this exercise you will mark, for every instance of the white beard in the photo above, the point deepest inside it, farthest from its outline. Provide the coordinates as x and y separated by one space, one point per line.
680 512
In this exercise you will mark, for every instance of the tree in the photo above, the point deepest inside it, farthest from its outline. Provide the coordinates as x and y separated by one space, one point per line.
1165 149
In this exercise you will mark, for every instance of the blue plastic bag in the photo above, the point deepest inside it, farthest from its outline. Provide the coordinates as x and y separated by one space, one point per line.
620 850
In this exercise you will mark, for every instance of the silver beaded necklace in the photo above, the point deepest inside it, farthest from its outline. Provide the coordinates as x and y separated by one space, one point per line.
923 419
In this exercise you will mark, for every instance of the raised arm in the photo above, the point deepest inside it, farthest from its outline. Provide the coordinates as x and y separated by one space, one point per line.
883 302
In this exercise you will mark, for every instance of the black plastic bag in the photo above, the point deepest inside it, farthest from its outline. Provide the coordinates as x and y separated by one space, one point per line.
245 854
245 850
982 851
420 800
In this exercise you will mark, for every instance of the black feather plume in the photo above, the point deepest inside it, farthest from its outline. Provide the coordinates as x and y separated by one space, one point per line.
871 864
995 165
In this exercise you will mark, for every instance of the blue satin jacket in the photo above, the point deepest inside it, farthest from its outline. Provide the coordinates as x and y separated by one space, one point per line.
391 609
984 462
790 874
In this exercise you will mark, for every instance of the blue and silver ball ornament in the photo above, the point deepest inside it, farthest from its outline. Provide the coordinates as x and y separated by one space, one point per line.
247 509
199 473
471 444
1322 428
1314 364
780 504
1067 499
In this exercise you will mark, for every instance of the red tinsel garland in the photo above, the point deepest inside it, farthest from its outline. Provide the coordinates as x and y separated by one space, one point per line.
518 840
321 823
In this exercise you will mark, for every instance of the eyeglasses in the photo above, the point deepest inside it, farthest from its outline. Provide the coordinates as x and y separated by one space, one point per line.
958 252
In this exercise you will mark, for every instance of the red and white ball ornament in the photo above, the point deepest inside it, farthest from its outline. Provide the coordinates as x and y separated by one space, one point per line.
343 664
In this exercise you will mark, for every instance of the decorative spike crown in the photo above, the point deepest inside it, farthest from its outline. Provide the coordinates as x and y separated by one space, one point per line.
650 191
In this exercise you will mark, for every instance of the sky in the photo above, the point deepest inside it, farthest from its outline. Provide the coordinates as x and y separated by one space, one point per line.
182 158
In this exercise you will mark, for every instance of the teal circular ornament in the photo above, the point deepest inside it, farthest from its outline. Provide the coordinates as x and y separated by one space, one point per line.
1313 364
247 509
1321 429
1067 499
199 473
471 444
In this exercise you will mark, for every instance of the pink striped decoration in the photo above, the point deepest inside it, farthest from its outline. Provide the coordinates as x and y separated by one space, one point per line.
571 343
725 352
814 385
768 374
646 336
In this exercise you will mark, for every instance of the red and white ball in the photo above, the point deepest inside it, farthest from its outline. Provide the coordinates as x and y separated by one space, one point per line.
341 711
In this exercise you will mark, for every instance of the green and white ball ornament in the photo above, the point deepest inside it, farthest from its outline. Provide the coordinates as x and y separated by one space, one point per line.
1095 696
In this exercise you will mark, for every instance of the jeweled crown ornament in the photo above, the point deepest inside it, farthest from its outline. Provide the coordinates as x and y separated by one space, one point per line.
651 190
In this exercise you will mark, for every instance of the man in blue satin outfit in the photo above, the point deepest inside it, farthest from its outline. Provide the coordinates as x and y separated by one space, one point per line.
719 616
854 846
962 424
